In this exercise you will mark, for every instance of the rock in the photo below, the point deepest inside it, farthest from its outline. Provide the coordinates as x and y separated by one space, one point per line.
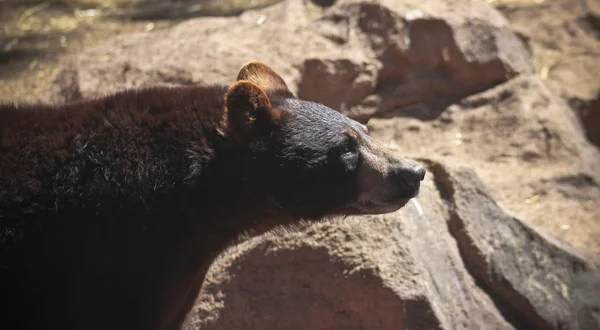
589 112
359 57
451 259
526 145
593 7
564 36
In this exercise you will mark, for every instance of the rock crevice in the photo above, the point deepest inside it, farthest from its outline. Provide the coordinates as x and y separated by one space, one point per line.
514 307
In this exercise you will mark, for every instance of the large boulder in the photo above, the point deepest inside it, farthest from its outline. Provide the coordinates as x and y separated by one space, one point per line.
360 57
451 259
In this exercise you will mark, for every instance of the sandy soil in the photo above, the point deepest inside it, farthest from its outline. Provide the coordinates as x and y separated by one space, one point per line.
38 38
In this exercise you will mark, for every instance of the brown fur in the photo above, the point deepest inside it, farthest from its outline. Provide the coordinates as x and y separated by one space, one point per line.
109 168
112 209
264 77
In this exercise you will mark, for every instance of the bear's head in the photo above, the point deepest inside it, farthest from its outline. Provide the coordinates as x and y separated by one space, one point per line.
311 160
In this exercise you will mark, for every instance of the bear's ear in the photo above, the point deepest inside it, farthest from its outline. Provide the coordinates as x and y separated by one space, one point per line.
249 111
263 76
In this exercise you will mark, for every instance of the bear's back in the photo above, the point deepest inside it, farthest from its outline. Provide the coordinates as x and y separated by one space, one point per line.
121 145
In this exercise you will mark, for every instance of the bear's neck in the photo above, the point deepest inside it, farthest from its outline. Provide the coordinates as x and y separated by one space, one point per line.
234 201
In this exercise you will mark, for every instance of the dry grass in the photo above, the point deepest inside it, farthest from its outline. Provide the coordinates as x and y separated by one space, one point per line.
545 61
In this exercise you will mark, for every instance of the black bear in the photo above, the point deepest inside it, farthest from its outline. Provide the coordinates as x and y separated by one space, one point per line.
112 209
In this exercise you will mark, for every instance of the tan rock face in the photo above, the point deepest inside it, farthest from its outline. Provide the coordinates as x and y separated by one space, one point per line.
438 79
451 259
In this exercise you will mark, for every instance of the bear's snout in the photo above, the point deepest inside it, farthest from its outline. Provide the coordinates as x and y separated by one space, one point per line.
386 181
408 176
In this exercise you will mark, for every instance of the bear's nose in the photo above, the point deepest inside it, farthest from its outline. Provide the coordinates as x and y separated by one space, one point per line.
411 174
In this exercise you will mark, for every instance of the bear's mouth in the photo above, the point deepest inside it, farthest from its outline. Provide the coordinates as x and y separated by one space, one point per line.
401 197
396 201
377 208
387 205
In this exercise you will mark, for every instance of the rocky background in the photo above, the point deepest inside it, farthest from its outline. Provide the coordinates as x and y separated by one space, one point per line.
500 99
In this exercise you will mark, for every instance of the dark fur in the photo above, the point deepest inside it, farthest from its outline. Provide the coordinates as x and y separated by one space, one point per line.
100 200
112 209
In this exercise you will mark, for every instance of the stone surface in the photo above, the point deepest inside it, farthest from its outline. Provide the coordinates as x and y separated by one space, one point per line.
564 36
360 57
451 259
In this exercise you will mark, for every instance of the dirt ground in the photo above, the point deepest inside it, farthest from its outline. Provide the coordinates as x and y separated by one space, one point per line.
38 37
564 36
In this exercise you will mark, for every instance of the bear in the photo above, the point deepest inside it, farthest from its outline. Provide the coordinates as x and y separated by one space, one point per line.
113 208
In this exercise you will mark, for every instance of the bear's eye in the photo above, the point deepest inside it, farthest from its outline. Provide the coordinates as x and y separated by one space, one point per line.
349 155
349 146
